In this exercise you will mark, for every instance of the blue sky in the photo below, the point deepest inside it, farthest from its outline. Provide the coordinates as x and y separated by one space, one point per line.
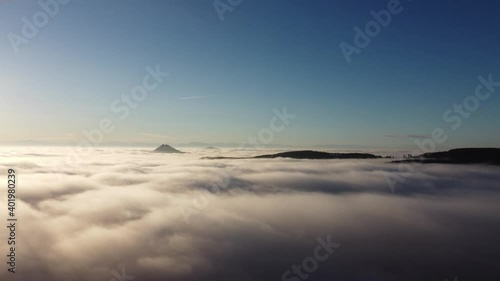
264 55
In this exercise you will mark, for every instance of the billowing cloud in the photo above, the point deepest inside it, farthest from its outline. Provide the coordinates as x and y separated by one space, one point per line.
177 217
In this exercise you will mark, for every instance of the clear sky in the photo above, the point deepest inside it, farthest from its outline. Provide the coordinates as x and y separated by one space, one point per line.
226 77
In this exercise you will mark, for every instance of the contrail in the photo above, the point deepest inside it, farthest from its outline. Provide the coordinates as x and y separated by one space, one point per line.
196 97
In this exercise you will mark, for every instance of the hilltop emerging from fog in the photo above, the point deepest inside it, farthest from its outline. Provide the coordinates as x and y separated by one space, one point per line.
489 156
460 156
307 154
165 148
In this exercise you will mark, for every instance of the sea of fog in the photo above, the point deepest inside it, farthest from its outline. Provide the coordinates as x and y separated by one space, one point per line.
129 214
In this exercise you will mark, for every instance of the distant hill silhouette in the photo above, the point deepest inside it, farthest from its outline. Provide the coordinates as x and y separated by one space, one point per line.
307 154
460 156
165 148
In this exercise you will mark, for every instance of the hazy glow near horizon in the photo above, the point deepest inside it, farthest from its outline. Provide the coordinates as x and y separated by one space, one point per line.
227 77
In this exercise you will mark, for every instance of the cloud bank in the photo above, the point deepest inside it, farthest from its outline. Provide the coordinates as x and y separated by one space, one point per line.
125 209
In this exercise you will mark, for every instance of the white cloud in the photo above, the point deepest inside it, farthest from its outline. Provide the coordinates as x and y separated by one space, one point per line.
121 207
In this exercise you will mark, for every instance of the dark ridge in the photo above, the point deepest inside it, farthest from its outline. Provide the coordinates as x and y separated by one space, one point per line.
165 148
307 154
489 156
